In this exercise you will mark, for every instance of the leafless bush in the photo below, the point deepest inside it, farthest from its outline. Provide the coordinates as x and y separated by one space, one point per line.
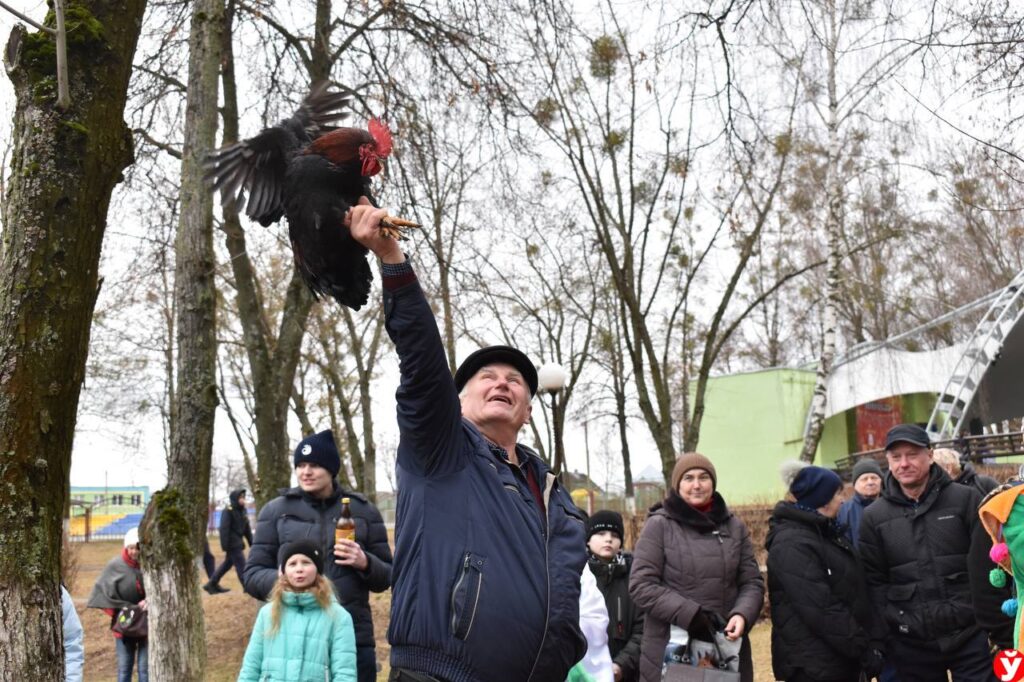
69 563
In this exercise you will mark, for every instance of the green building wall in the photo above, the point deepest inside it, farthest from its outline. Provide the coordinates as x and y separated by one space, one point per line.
754 421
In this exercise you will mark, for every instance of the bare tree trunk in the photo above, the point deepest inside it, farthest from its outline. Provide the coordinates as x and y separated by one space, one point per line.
63 170
833 223
717 336
444 275
175 521
273 358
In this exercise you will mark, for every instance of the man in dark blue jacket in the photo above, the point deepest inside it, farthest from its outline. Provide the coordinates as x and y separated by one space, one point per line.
310 512
234 533
489 548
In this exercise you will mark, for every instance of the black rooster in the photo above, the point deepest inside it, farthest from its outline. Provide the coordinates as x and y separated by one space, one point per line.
312 172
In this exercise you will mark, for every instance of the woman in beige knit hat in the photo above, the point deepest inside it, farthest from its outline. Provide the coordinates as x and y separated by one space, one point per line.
694 567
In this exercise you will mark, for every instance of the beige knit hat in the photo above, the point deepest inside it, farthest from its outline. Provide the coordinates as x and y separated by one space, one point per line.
692 460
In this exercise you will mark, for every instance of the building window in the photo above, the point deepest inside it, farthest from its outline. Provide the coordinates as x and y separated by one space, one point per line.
137 500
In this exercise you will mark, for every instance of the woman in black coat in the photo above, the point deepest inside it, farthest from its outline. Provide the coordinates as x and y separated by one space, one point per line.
823 625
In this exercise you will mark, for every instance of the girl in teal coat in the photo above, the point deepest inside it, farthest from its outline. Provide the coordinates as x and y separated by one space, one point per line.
302 634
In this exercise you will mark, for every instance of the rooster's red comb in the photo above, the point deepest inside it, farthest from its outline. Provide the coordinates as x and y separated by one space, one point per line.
381 135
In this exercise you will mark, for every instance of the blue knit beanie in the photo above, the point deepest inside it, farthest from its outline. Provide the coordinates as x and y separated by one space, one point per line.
814 486
319 449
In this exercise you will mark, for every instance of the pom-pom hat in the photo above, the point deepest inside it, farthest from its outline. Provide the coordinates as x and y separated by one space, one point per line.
812 486
131 538
318 449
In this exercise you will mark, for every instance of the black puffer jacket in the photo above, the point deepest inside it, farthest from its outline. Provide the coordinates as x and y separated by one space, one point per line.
625 621
980 482
234 524
822 618
297 516
915 561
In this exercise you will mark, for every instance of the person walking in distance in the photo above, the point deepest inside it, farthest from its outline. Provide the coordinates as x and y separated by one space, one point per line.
234 533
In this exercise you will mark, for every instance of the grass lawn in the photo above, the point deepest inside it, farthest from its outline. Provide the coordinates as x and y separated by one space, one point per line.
229 619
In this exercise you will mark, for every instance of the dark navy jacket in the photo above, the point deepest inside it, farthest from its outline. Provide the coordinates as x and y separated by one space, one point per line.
297 516
485 588
850 514
234 524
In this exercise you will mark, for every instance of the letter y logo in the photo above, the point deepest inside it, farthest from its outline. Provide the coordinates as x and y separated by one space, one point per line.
1008 667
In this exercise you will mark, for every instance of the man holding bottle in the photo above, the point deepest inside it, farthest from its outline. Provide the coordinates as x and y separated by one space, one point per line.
311 511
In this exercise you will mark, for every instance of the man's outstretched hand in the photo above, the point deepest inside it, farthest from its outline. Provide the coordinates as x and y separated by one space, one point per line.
363 221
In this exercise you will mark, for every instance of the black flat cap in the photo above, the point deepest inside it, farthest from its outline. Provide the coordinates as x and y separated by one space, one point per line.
491 355
907 433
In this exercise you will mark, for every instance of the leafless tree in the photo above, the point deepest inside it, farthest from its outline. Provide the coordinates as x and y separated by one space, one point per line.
174 524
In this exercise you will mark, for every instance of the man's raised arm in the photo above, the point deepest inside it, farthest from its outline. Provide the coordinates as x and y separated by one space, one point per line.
429 414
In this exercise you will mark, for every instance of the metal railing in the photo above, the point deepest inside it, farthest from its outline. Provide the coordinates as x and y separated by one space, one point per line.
971 448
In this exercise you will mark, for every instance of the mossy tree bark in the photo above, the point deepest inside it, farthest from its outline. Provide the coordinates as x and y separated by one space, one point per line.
63 170
176 520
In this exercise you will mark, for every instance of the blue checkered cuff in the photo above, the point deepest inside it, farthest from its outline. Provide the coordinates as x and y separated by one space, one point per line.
396 270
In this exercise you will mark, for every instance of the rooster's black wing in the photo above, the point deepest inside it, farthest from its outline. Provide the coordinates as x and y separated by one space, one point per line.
258 165
330 261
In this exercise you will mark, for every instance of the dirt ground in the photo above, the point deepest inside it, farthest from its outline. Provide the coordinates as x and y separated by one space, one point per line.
229 619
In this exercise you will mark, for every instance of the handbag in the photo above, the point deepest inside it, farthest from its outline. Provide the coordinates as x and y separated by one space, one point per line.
694 660
132 621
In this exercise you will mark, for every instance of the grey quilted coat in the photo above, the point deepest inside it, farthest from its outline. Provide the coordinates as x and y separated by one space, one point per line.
686 560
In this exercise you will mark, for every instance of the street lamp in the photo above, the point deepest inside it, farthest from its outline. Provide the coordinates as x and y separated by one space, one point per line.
551 378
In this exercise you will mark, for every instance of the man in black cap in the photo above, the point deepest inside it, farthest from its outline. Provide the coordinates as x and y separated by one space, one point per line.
489 547
310 511
914 542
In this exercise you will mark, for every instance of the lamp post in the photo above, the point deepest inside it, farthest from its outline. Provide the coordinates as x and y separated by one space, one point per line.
551 377
590 481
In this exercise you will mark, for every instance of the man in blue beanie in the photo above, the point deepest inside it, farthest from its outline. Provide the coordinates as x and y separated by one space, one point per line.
914 543
309 512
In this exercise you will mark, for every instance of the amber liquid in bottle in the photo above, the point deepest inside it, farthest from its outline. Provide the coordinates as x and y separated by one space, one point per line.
345 529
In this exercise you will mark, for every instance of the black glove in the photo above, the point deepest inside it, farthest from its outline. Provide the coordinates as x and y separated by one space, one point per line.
872 662
702 625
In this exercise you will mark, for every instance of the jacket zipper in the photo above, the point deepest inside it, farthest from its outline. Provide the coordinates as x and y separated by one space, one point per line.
549 485
458 584
476 602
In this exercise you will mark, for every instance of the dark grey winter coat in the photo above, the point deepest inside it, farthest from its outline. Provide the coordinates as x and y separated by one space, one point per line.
685 561
298 516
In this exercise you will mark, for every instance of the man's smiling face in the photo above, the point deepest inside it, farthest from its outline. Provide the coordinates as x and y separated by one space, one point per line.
496 394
